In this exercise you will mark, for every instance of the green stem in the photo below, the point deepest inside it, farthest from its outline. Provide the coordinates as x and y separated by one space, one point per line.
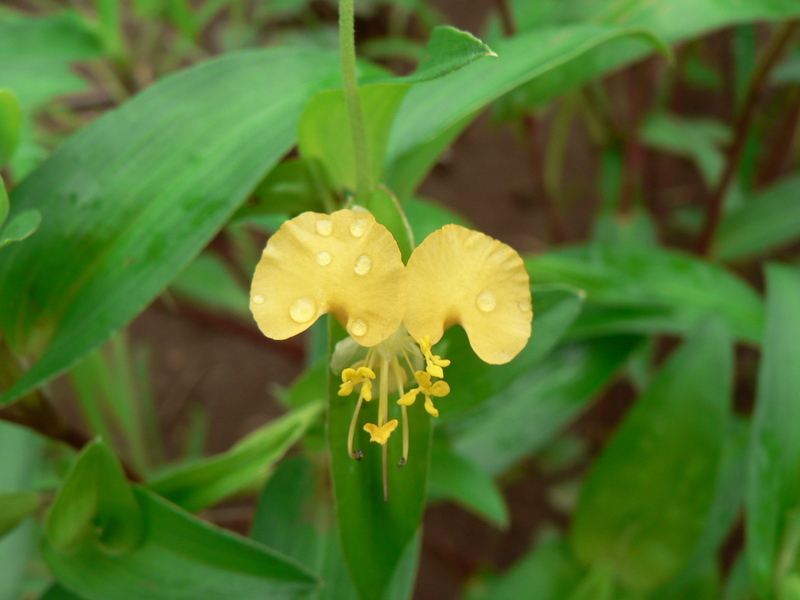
347 48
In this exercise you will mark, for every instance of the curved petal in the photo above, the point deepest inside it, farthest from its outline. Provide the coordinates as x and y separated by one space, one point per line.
345 263
457 275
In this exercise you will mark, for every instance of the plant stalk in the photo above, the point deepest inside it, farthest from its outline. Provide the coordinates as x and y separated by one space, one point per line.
358 132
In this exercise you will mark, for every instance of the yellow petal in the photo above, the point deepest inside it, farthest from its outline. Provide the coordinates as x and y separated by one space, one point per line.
345 263
408 398
457 275
432 410
440 389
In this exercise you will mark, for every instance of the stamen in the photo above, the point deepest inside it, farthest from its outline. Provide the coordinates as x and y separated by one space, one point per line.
358 454
385 475
399 377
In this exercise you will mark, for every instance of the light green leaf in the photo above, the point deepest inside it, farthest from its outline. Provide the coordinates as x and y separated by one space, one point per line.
324 131
535 406
129 201
388 212
180 558
15 507
768 221
773 482
457 479
20 226
198 485
646 290
4 205
644 505
10 127
35 54
95 506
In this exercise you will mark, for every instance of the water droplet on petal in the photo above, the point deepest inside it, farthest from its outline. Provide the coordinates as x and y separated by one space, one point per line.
303 310
324 258
363 265
258 299
359 328
358 227
486 301
324 227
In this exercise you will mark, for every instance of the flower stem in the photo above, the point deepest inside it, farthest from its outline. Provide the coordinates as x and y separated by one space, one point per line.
347 49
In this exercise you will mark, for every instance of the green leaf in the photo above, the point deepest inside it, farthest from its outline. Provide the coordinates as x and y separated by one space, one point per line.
536 405
426 216
4 205
10 126
438 110
457 479
180 558
388 212
209 282
773 483
473 381
768 221
20 226
646 290
14 508
645 502
35 54
202 484
448 50
58 592
95 506
548 572
324 131
290 188
375 533
129 201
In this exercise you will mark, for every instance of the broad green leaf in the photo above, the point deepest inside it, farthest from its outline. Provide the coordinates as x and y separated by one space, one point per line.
768 221
375 533
15 507
646 290
290 188
21 451
20 226
387 211
448 50
198 485
4 205
180 558
95 506
548 572
440 109
773 482
10 127
535 406
58 592
129 201
644 504
209 282
473 382
457 479
426 216
35 54
324 131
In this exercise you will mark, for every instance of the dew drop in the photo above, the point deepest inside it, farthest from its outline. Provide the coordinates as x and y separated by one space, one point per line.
486 301
363 265
359 328
324 258
324 227
303 310
358 227
258 299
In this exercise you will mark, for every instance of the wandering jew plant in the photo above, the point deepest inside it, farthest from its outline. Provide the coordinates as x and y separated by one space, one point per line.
349 265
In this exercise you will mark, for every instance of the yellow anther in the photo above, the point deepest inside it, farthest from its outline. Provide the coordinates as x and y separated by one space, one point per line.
352 377
438 389
380 433
433 362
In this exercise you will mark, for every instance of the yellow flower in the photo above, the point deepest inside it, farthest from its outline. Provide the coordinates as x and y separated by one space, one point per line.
349 265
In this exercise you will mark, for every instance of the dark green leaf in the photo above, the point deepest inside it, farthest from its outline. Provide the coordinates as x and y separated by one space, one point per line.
290 188
130 200
457 479
773 484
58 592
645 502
209 282
4 205
35 54
548 572
20 226
768 221
180 558
95 506
16 507
10 127
199 485
650 290
535 406
388 212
